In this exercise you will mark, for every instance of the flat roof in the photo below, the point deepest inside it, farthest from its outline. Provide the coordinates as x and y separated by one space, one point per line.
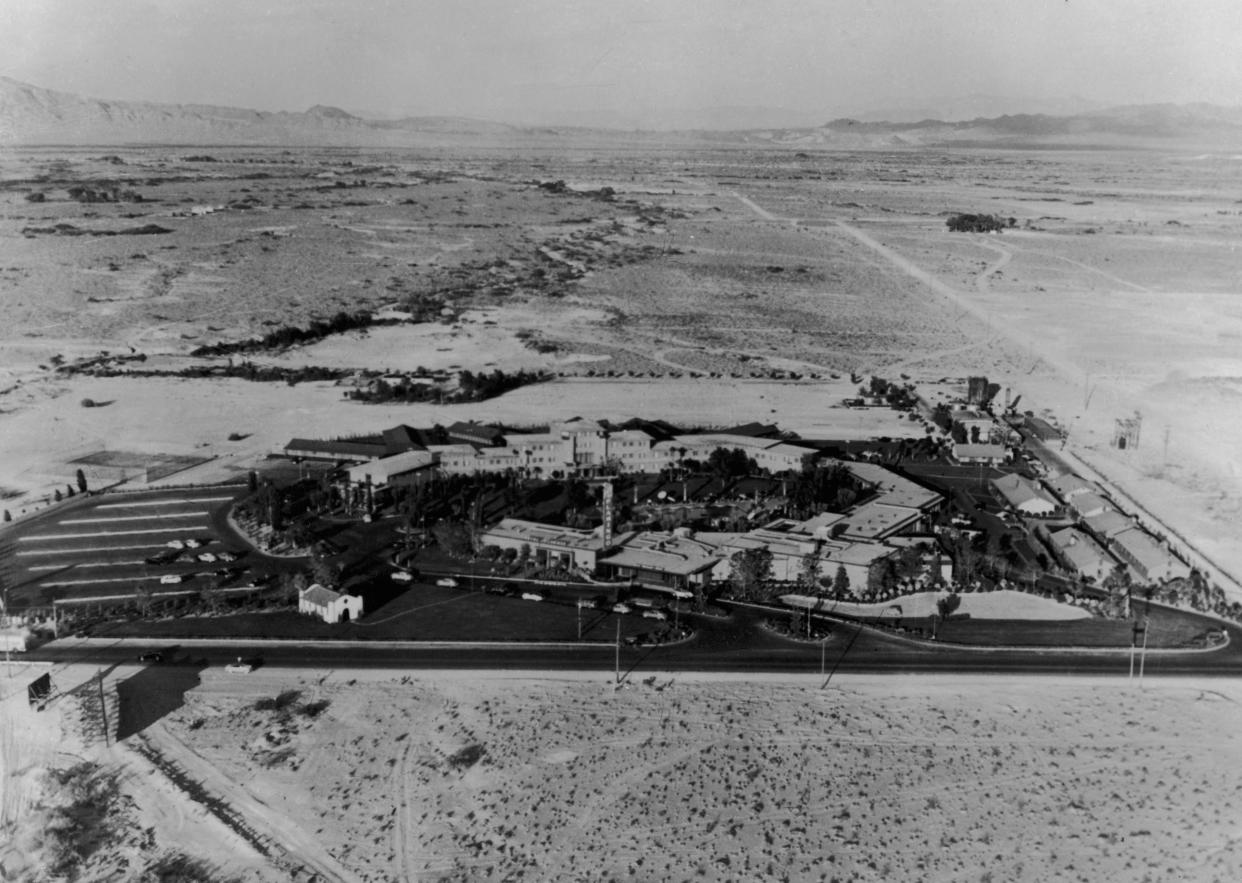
664 553
548 534
397 464
875 519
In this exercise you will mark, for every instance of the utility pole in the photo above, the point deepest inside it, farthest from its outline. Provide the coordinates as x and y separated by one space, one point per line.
617 682
1143 653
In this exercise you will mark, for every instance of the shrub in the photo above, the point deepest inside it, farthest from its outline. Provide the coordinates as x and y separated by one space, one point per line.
314 709
278 703
467 757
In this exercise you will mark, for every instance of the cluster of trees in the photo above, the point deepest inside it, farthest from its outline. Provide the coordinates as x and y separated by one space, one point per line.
103 193
242 371
979 223
471 387
731 463
289 335
815 490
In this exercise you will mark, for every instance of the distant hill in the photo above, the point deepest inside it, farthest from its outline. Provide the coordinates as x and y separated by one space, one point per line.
32 115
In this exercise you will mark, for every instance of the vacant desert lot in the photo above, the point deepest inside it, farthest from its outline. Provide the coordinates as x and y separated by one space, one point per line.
477 777
1116 290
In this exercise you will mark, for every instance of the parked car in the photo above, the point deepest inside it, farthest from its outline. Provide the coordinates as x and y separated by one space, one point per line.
227 556
622 608
531 596
654 614
401 576
447 581
151 656
207 557
169 579
193 544
175 544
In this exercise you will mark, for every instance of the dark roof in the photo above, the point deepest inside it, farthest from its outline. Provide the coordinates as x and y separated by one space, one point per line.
471 432
337 449
755 430
1042 429
401 438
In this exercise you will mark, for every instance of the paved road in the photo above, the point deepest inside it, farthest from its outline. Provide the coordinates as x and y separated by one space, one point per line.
732 645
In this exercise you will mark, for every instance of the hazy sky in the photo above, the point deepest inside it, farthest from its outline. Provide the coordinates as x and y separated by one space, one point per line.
538 59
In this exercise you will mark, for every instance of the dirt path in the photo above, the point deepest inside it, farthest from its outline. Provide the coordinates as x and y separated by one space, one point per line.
268 820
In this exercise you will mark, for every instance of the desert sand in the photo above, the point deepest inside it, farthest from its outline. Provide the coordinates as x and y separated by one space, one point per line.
473 776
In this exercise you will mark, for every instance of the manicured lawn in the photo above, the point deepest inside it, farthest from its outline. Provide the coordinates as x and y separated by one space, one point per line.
422 613
1168 628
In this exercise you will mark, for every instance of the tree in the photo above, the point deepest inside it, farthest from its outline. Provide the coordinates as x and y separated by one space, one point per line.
948 604
748 570
808 573
291 586
454 537
81 477
142 599
326 573
252 480
840 583
58 496
8 516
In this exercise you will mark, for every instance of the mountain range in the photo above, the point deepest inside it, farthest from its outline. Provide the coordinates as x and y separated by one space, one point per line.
30 115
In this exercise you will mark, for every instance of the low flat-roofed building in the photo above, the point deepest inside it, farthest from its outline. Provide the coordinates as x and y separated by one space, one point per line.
1108 524
978 425
330 606
894 489
550 545
1023 495
1148 559
1078 551
990 454
877 520
342 450
674 560
1069 486
405 469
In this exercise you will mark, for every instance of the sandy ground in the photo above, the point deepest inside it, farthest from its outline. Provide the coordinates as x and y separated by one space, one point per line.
152 817
737 779
40 441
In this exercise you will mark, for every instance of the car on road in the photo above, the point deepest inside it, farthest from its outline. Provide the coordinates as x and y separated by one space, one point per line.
151 656
401 576
531 596
169 579
447 581
240 667
654 614
622 608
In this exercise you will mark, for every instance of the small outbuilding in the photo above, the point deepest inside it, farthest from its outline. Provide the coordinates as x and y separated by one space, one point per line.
330 606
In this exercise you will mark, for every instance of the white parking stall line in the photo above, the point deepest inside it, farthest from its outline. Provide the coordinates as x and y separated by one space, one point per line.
176 502
52 537
110 579
113 518
80 564
46 552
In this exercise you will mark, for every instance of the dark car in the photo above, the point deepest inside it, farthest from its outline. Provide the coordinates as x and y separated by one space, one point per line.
151 656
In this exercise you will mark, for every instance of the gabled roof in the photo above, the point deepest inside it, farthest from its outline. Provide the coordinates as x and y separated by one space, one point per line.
1069 485
1019 491
318 595
1108 523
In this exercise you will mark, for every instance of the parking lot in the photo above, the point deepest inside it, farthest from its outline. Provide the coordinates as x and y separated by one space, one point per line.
115 544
